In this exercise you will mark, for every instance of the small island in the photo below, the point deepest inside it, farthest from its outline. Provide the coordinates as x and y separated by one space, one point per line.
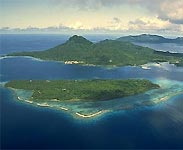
78 50
81 90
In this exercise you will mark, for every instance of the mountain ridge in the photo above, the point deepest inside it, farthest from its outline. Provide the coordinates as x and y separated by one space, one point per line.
78 50
148 38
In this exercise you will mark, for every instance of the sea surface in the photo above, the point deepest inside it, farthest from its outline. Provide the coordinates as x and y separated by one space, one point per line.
158 124
171 47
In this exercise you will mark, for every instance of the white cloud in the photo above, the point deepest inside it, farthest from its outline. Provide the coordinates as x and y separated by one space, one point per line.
148 23
77 25
155 25
116 20
172 11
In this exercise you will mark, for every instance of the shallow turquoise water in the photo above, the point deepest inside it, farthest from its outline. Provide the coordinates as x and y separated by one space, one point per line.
150 120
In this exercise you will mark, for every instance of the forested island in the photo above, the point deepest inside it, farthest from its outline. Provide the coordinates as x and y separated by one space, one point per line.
148 38
78 50
78 90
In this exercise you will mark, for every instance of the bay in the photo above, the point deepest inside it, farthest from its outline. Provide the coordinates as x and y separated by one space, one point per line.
27 126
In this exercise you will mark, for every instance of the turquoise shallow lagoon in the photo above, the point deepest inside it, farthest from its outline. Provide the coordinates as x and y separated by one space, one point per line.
150 120
89 109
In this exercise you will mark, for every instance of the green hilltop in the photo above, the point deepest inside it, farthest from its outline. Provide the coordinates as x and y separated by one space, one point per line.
78 50
148 38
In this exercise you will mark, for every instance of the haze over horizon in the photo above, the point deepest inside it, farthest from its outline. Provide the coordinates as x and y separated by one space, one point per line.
164 17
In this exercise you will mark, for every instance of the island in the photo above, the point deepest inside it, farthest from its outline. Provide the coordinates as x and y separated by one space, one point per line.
81 90
78 50
148 38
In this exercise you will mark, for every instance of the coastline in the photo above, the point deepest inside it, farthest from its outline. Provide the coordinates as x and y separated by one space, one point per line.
82 63
146 66
167 97
154 101
91 115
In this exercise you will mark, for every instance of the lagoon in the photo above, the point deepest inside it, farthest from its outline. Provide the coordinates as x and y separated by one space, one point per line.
142 126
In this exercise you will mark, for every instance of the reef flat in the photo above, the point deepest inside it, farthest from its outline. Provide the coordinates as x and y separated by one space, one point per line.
94 108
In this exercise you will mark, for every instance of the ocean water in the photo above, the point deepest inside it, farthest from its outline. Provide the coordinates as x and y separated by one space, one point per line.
35 42
171 47
155 125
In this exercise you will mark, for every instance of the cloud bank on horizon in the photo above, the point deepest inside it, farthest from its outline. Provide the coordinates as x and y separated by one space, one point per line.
92 16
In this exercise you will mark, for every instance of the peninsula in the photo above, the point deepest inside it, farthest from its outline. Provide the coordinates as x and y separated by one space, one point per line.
78 50
81 90
148 38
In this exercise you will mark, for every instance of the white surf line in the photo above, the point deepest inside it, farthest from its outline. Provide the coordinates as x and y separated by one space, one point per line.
167 97
2 83
19 98
162 99
63 108
33 58
4 57
43 104
29 57
89 116
54 100
29 101
145 67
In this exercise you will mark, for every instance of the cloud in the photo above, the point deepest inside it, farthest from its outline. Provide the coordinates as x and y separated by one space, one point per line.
148 23
77 25
115 24
154 25
137 22
97 4
172 11
60 28
144 24
116 20
136 27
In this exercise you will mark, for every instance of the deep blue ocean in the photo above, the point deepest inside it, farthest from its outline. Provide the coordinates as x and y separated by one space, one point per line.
27 126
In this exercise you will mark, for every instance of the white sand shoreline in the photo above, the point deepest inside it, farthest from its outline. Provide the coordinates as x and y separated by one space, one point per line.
89 116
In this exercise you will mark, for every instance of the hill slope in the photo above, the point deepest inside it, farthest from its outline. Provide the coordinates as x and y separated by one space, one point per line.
147 38
108 52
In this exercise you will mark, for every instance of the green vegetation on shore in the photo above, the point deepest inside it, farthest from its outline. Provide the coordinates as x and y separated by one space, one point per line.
79 50
63 90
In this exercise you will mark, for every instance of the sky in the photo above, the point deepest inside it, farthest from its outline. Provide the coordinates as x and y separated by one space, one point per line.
163 17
